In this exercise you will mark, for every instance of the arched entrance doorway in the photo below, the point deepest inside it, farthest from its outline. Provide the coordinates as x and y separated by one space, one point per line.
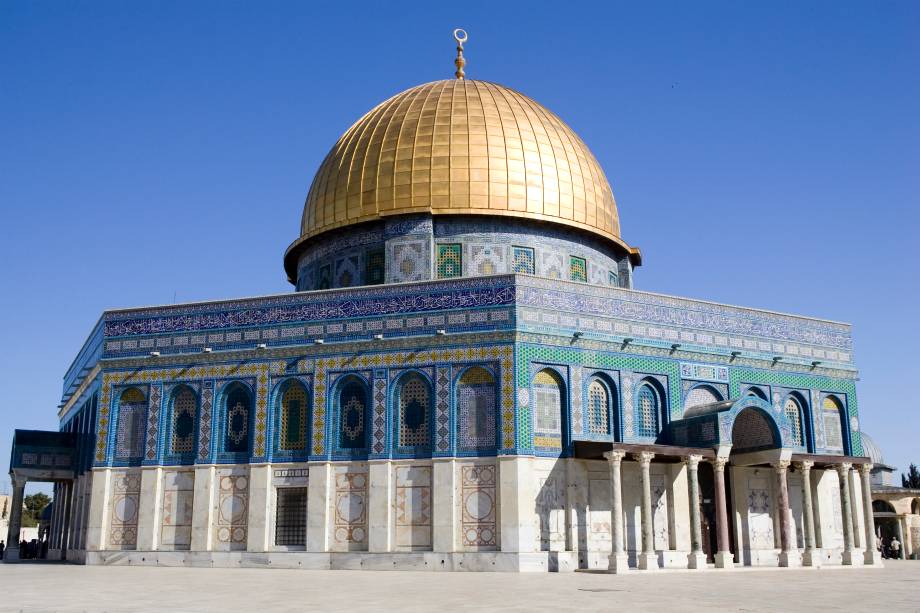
754 498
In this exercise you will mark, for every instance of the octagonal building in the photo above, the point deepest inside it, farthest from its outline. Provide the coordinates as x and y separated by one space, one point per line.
464 379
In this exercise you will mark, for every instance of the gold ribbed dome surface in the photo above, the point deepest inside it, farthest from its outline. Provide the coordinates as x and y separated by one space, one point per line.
461 147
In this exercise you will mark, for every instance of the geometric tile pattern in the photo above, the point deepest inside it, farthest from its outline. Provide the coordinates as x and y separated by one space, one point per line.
476 412
442 409
153 421
232 513
349 531
380 411
578 408
126 491
478 507
110 379
132 411
204 426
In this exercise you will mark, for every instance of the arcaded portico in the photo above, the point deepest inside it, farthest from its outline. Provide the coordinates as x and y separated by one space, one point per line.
464 379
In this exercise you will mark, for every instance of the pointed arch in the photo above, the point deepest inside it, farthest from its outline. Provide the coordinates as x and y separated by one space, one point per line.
600 395
237 418
352 402
700 395
413 399
794 412
548 397
832 413
183 420
650 406
131 428
293 417
476 410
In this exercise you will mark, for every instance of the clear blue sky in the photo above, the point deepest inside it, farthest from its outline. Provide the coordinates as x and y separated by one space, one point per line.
763 154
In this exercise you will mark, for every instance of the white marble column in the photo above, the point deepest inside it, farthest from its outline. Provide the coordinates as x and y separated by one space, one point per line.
648 559
871 555
724 557
789 555
812 555
849 553
696 559
619 561
67 489
12 535
902 534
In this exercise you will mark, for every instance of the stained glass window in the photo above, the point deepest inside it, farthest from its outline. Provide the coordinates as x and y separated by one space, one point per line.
132 417
699 396
376 267
414 406
648 407
352 414
578 270
185 406
450 261
614 279
237 406
794 414
523 260
833 431
476 404
547 402
294 417
598 404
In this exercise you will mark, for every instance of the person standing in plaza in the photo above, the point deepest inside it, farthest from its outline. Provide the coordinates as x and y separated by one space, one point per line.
895 548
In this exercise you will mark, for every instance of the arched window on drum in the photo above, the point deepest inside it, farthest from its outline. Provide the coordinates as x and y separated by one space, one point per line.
598 413
648 411
548 392
413 397
833 427
476 410
132 420
237 412
793 412
183 421
292 435
353 414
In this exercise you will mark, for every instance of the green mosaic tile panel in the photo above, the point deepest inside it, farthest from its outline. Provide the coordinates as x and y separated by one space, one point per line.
523 260
450 261
740 375
527 353
578 270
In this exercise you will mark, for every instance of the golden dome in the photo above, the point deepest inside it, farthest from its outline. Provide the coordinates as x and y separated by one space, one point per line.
461 147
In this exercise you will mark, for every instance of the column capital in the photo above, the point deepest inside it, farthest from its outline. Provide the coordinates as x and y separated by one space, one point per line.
644 458
865 469
693 461
805 465
782 466
615 456
719 464
844 468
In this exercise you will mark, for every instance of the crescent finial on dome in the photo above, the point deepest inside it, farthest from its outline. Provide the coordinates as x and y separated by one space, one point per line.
460 36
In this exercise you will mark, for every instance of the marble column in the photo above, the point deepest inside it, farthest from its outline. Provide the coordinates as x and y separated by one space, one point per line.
724 557
849 554
619 561
648 559
902 533
872 555
12 536
66 488
812 555
789 555
696 559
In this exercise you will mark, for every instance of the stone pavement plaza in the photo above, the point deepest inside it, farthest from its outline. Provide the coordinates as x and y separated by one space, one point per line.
48 587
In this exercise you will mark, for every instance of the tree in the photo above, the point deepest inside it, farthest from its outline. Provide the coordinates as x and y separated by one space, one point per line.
34 505
912 478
